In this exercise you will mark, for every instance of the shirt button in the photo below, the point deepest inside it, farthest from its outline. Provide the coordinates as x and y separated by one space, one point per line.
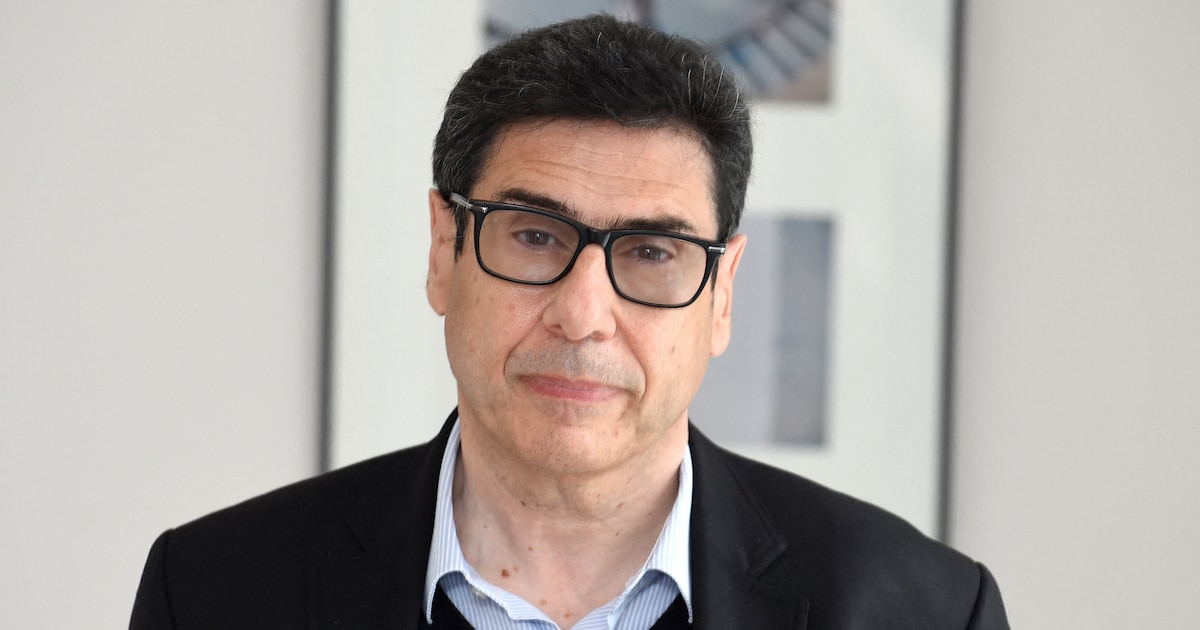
478 593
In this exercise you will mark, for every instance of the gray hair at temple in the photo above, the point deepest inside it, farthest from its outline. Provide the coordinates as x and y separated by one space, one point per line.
598 68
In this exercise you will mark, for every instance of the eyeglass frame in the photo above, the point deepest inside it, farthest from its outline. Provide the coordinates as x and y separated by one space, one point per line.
588 235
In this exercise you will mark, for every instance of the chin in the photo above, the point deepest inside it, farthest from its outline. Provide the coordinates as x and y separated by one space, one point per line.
570 448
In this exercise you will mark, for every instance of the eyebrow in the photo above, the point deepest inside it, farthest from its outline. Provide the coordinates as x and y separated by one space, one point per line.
670 223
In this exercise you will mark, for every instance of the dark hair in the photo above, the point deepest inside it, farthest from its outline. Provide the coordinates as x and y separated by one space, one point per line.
597 68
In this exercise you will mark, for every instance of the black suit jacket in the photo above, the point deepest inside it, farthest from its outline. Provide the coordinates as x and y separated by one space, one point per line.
349 549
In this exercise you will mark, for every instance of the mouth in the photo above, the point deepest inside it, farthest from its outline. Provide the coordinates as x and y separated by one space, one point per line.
572 390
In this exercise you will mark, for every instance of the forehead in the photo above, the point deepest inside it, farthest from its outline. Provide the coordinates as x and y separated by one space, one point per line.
605 173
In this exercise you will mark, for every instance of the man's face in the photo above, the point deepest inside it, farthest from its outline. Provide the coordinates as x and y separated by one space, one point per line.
570 377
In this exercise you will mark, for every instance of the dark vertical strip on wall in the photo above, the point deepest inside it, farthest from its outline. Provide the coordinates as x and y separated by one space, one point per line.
950 275
804 278
328 258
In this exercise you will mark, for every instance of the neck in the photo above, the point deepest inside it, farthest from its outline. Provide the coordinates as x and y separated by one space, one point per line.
565 542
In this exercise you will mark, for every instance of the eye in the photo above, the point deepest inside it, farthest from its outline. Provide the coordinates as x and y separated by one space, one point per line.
539 238
647 249
532 232
650 252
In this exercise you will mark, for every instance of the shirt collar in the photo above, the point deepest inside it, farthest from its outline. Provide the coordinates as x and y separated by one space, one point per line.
670 554
445 554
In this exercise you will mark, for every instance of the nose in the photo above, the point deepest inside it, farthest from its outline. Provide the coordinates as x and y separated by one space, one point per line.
582 303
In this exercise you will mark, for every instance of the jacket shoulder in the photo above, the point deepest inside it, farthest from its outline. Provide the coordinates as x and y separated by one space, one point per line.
853 561
307 505
252 564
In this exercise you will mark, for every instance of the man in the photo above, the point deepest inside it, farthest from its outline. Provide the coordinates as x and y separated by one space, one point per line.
590 177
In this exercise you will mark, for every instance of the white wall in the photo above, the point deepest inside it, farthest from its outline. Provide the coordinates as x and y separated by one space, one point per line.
1076 474
160 203
160 189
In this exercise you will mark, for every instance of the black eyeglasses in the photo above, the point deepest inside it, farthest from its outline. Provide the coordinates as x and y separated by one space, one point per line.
532 246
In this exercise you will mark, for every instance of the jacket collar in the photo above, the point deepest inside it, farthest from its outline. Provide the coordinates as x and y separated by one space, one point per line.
381 587
734 541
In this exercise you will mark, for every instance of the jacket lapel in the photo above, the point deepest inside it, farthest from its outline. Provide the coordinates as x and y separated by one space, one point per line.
733 541
383 587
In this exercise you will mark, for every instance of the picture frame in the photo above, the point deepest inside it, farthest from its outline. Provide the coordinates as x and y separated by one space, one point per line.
871 164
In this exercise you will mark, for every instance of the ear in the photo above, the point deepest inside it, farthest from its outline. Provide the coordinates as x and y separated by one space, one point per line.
441 251
723 293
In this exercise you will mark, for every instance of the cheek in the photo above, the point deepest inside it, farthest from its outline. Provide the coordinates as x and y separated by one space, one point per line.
675 357
484 322
467 331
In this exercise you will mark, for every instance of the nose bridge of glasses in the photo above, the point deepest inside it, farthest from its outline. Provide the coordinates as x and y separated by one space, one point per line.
585 269
592 235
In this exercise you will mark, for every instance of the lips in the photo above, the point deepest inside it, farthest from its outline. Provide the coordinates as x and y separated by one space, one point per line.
569 389
573 373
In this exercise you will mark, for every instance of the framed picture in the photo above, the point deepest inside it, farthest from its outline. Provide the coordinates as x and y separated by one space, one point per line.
835 366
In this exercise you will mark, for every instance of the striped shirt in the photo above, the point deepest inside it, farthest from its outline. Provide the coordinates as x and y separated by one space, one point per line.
665 575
